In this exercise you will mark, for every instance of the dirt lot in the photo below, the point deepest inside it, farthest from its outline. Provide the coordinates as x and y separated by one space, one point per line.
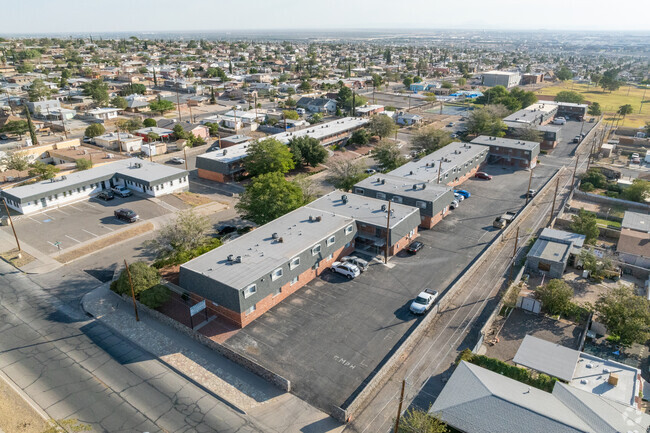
16 416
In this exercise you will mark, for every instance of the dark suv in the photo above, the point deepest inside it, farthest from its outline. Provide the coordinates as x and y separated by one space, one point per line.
126 215
414 247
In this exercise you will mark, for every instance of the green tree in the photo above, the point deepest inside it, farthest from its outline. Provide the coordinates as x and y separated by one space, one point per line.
15 161
43 171
624 110
563 73
119 102
149 122
132 88
610 81
487 121
420 421
430 139
30 128
307 150
269 196
626 315
129 125
305 86
647 128
529 133
638 191
360 137
267 156
83 164
584 223
179 132
19 127
39 91
345 174
377 80
462 82
155 296
388 155
152 136
407 82
595 109
381 125
213 128
143 277
555 296
569 96
186 232
161 106
290 114
98 90
315 118
594 177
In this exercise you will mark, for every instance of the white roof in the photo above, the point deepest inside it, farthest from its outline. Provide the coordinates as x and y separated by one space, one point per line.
546 357
594 372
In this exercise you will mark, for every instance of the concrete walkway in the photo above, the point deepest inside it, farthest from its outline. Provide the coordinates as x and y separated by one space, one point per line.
219 376
43 263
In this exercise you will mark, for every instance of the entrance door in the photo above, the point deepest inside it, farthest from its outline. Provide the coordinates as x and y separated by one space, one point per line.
43 203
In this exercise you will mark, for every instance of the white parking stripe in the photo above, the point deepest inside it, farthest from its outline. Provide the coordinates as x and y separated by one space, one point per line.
73 239
65 213
50 243
72 206
35 220
90 204
48 216
107 228
90 233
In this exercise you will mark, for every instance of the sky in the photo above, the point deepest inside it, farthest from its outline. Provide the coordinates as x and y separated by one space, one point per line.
95 16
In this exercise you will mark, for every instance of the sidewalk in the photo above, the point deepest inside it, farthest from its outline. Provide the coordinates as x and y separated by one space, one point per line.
42 264
283 412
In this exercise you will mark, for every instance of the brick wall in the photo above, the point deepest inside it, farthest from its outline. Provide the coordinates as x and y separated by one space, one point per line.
213 175
428 222
463 178
403 243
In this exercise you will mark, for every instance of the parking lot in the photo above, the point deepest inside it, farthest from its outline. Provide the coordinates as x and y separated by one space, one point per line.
329 337
568 131
78 222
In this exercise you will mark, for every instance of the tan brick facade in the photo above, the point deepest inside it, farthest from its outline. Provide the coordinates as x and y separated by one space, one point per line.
460 180
428 222
213 175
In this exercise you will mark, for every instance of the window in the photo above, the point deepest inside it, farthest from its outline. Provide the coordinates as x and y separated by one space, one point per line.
250 290
294 280
276 274
330 257
331 240
249 310
421 204
277 292
381 196
359 190
348 230
396 199
65 194
294 263
315 250
544 266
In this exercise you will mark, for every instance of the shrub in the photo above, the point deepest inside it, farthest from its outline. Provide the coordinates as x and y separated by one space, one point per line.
587 187
614 187
143 276
612 194
155 296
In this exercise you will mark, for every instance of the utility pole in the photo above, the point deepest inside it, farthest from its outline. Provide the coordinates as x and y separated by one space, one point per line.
387 234
255 106
557 184
185 156
514 254
399 408
573 178
178 104
135 306
354 101
234 110
20 252
530 179
191 117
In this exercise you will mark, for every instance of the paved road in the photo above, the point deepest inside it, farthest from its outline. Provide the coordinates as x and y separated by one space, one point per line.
75 368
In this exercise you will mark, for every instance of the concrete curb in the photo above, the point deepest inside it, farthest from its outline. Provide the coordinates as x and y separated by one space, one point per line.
39 410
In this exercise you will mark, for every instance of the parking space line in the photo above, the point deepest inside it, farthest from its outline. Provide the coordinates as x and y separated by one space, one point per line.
107 228
62 211
90 233
90 204
73 206
34 220
48 216
50 243
70 237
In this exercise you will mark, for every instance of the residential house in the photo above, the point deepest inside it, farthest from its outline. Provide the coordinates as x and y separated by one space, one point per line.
317 105
553 251
506 151
196 129
634 242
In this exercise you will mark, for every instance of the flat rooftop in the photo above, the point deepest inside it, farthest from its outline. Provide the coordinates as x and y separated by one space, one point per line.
364 209
592 373
636 221
323 130
549 250
547 357
531 113
509 143
229 154
426 169
261 254
399 185
500 73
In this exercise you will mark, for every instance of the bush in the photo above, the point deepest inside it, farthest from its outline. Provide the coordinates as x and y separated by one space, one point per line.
587 187
181 257
614 187
155 296
143 276
149 122
612 194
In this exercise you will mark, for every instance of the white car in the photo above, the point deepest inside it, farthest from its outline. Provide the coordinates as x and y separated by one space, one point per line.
459 197
424 301
348 269
559 121
177 160
635 155
453 205
121 191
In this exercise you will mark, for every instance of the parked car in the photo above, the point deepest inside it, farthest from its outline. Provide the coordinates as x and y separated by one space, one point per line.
121 191
414 247
4 137
370 171
126 215
424 301
635 155
502 221
531 193
106 195
576 139
483 175
459 197
453 204
348 269
357 261
463 193
454 135
450 124
237 107
300 111
177 160
88 140
559 121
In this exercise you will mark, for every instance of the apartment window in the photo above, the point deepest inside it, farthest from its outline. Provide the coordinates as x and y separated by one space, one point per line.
250 290
276 274
396 199
294 280
294 263
249 310
421 204
65 194
381 196
348 230
50 198
277 291
544 266
359 190
330 257
315 250
331 240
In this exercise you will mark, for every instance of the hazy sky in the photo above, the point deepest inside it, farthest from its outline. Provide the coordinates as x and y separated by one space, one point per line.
93 16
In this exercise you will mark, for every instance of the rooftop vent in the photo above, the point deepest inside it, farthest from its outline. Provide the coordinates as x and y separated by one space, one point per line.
383 181
383 208
411 172
344 198
275 236
424 185
415 186
318 218
231 257
238 259
225 151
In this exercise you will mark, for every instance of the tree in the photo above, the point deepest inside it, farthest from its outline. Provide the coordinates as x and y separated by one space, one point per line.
381 125
377 80
462 81
569 96
305 86
407 82
143 277
83 164
213 99
638 191
306 185
152 136
161 105
345 174
267 156
132 88
98 90
15 161
624 110
563 73
119 102
647 128
429 139
387 155
610 81
584 223
269 196
30 127
595 109
555 296
529 133
487 121
290 114
213 128
315 118
149 122
155 296
360 137
179 132
130 125
19 127
43 171
626 315
420 421
39 91
307 150
594 177
185 233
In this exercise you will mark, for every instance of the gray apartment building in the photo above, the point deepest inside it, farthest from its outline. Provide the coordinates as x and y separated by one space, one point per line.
553 251
501 78
511 152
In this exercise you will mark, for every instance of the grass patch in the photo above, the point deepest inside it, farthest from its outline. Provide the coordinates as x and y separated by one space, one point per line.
610 102
12 258
102 243
608 223
192 198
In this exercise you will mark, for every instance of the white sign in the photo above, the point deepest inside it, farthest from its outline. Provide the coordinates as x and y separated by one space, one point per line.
195 309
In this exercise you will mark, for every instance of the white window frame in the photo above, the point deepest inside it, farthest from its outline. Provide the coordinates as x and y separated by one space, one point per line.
294 263
396 199
250 291
276 274
330 257
348 230
250 310
294 280
421 204
381 196
330 241
359 190
315 249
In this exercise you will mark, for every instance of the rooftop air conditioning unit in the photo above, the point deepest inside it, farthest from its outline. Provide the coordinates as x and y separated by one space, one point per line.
225 151
415 186
238 259
344 198
231 257
318 218
383 208
275 236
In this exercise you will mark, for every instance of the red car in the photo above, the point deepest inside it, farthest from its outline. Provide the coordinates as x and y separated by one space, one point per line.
483 175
